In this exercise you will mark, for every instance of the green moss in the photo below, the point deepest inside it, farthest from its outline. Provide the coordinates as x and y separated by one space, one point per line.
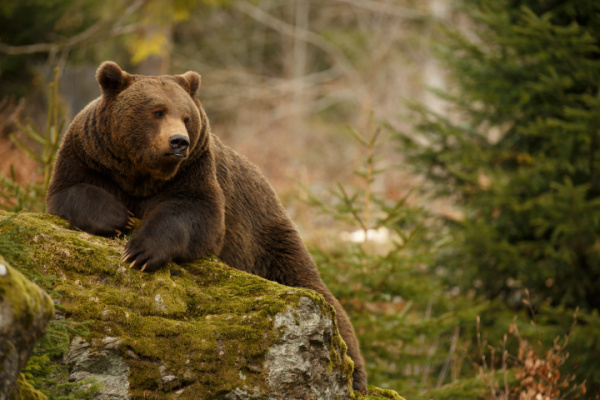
144 378
375 393
26 298
200 321
24 391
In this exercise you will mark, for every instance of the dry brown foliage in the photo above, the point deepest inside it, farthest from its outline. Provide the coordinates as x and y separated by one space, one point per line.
539 376
534 373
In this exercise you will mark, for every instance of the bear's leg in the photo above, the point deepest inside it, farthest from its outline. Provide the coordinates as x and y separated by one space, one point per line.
89 208
178 230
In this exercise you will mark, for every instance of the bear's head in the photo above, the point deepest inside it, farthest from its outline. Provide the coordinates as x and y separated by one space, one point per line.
154 123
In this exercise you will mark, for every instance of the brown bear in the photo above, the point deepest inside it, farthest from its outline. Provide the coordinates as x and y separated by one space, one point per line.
145 148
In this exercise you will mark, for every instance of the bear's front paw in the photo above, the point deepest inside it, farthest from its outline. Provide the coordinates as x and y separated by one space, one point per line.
112 218
145 254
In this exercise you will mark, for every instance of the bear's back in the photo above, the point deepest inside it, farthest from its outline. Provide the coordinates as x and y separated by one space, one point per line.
252 211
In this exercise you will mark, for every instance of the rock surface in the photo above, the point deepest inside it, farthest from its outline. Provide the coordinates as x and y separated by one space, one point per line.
25 310
196 331
302 354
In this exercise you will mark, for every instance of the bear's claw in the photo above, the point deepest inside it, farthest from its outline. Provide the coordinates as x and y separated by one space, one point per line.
130 223
144 253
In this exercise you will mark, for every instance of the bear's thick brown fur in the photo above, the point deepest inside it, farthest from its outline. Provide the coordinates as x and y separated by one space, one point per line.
145 147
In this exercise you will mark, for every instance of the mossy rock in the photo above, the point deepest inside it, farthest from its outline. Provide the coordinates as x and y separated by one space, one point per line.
25 310
200 330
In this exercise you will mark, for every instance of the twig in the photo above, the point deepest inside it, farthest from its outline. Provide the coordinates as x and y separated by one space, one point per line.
349 202
505 367
9 112
444 371
298 33
387 8
527 302
89 35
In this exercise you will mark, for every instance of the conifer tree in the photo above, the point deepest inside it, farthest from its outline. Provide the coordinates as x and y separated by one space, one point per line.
519 149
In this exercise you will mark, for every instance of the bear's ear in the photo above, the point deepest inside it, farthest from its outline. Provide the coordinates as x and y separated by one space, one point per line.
112 78
193 79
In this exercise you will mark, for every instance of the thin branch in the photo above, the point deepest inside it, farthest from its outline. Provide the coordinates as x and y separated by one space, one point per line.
387 8
283 27
89 35
444 371
9 112
53 47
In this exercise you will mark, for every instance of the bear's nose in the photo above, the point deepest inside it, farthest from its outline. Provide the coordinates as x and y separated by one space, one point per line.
179 143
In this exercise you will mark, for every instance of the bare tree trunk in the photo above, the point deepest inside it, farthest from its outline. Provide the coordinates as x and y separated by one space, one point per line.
298 110
432 73
295 69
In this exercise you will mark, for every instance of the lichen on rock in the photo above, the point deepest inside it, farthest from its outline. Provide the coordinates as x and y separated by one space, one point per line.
299 355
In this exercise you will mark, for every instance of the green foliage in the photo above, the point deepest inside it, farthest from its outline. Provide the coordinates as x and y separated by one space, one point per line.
521 150
356 208
413 331
16 197
419 336
517 149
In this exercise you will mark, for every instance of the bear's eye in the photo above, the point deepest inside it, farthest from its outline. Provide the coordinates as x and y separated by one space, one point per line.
159 114
186 120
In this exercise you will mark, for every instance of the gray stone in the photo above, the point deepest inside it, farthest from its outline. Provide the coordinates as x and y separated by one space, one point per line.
297 366
103 363
299 362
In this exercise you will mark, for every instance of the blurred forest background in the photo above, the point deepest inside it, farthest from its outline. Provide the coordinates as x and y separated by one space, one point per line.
441 159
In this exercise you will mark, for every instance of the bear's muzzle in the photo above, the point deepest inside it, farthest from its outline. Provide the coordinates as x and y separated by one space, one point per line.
179 144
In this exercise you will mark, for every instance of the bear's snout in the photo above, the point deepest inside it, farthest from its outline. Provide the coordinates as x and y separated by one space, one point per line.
179 144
